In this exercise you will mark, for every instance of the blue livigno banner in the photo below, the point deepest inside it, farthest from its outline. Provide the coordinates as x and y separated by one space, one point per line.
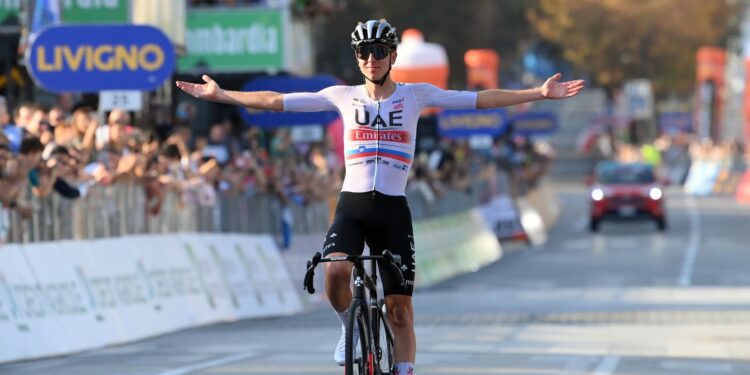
288 84
467 122
534 123
91 58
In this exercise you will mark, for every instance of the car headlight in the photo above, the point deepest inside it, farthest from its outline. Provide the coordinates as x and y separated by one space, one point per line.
597 194
655 193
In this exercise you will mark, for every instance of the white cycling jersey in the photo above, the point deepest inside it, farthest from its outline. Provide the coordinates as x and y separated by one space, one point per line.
379 136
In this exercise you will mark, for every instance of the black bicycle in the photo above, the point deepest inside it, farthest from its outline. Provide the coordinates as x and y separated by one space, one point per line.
373 354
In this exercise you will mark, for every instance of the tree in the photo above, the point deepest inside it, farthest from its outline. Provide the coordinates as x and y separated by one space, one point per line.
613 40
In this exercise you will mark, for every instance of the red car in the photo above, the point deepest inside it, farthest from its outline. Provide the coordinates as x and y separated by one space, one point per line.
626 191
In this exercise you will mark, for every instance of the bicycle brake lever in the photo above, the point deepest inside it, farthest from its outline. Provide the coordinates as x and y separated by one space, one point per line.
308 283
310 274
395 262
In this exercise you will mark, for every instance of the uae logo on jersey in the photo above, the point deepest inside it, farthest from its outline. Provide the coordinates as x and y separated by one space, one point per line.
362 117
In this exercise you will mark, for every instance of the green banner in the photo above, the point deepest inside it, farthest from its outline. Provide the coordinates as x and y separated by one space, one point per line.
9 12
233 40
95 11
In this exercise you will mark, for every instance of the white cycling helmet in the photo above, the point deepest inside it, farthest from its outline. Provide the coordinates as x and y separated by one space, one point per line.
374 32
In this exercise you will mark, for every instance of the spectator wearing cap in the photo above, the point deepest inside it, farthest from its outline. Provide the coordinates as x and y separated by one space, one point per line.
15 132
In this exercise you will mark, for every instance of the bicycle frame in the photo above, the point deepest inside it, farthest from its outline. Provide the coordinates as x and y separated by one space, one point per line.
365 287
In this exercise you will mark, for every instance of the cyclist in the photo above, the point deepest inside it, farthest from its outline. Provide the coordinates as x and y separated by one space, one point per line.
380 122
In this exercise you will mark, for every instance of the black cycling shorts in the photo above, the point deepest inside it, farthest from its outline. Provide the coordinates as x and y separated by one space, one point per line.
382 222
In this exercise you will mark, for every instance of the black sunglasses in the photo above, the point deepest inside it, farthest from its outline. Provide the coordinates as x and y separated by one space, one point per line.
378 51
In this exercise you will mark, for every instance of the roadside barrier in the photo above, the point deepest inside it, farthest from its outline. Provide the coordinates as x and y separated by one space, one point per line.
68 296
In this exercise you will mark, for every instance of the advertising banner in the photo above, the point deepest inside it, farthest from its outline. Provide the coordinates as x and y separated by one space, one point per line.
68 296
639 99
453 245
534 123
100 11
467 122
9 12
233 40
710 77
286 85
675 122
95 58
502 217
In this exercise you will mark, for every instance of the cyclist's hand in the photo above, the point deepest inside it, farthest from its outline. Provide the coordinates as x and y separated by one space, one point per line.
209 90
554 89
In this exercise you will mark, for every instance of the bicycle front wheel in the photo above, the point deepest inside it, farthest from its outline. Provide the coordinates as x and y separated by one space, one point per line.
359 358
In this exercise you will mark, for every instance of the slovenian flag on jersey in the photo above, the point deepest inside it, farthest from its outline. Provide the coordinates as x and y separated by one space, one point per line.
365 151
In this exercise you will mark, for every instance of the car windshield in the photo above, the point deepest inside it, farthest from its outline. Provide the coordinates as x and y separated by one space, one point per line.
625 174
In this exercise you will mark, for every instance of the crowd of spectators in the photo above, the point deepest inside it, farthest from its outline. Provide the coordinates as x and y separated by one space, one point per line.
46 151
674 154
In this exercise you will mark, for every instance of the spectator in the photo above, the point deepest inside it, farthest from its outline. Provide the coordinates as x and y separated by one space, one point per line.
85 124
15 132
41 177
220 146
115 132
38 124
64 167
63 129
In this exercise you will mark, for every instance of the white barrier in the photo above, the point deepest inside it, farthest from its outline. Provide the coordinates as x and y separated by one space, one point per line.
453 245
64 297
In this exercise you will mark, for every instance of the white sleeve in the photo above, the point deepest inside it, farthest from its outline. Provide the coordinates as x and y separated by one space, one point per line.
323 100
429 95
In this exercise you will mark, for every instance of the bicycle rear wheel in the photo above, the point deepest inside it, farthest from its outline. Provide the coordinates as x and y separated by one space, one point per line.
359 357
385 340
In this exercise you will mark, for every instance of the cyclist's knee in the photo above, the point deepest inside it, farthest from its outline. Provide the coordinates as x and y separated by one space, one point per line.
338 273
400 312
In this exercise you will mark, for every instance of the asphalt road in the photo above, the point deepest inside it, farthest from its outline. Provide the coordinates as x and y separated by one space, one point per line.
628 300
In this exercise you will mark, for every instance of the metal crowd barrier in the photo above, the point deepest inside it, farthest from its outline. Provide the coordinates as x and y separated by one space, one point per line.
120 209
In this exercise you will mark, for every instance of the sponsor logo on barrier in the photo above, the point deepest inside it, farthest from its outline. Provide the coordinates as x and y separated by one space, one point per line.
64 299
29 301
227 270
6 300
98 288
253 273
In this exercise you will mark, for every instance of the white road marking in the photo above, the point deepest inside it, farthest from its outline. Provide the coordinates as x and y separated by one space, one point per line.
697 366
607 366
207 364
693 246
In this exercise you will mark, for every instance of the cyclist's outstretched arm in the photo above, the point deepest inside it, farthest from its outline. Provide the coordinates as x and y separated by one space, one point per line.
210 90
551 89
